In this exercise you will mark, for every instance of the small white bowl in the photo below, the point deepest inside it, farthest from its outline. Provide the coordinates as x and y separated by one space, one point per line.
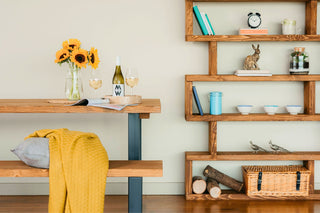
294 109
244 109
271 109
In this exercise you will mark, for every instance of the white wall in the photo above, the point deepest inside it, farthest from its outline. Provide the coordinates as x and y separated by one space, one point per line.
149 35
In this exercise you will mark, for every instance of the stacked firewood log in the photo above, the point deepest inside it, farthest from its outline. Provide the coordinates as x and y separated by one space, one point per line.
214 177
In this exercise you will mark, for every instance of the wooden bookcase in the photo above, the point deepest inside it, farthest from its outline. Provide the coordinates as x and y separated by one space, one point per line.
309 114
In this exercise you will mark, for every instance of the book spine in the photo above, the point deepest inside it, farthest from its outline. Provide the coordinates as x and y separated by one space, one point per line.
203 16
200 21
195 95
213 33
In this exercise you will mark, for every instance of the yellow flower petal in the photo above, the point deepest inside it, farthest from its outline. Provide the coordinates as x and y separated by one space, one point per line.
79 57
93 58
62 55
72 44
65 45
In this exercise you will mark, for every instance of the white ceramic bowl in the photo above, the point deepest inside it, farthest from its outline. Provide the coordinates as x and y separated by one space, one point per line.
244 109
271 109
294 109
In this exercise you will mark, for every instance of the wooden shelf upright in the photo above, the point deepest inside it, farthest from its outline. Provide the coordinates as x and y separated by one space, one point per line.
308 157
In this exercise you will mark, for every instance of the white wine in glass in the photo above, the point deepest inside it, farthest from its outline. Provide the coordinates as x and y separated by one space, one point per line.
95 82
132 79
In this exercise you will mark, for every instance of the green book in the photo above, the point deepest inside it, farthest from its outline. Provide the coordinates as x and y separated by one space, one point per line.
210 24
200 21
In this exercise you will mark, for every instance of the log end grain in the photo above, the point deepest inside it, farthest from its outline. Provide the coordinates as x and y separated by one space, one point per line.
198 185
215 192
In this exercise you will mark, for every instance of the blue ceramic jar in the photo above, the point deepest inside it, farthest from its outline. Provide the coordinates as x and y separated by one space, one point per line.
215 103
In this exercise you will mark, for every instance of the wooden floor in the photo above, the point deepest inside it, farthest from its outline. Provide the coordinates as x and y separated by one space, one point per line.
170 204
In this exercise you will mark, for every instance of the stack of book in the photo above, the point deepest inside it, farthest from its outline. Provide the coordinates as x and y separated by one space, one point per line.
253 73
253 31
203 21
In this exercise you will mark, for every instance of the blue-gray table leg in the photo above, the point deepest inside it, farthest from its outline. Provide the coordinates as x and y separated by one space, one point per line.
134 153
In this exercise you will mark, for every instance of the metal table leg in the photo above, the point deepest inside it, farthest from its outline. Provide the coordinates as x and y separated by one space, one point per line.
134 153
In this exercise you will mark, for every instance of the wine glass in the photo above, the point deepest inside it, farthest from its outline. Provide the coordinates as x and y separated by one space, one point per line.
132 78
95 82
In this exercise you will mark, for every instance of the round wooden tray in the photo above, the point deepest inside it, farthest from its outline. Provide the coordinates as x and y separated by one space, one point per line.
122 100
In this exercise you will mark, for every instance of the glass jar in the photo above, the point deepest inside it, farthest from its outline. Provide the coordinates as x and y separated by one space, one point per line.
299 62
288 27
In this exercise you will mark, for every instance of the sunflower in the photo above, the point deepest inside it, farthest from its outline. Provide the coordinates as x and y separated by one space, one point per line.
73 44
79 57
93 58
62 55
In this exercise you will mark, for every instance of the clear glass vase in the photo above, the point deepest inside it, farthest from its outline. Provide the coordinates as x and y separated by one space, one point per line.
73 84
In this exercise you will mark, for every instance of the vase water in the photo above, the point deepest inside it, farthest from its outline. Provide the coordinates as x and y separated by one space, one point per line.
73 86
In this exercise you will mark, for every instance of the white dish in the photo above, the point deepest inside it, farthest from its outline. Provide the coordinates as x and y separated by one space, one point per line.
244 109
294 109
271 109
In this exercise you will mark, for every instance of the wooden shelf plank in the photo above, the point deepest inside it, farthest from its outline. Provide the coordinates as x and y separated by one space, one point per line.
203 78
251 38
226 156
46 106
199 156
253 117
232 195
117 168
250 156
250 0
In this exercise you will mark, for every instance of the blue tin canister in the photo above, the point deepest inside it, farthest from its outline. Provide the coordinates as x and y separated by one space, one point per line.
215 103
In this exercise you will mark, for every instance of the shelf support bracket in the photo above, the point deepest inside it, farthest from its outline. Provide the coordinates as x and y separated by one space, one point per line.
188 176
309 97
213 139
144 115
189 17
311 17
188 98
213 70
309 164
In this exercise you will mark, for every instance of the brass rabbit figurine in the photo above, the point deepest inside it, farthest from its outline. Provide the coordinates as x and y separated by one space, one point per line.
250 62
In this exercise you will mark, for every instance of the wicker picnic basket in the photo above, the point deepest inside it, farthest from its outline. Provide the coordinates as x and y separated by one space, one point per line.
278 181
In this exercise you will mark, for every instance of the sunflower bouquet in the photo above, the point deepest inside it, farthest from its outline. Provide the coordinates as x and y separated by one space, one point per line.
76 58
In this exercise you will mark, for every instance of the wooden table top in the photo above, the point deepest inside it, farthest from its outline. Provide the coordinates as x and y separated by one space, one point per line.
62 106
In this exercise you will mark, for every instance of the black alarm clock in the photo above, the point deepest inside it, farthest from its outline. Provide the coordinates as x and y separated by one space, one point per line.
254 20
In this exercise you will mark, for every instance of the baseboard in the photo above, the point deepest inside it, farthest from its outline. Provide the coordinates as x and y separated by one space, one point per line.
112 188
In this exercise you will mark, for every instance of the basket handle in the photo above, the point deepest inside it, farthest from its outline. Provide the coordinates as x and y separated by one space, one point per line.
298 181
259 181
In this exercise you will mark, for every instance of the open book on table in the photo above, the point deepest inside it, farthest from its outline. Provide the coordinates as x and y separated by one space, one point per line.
103 103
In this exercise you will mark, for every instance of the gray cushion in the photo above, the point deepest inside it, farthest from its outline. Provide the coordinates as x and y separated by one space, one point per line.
34 152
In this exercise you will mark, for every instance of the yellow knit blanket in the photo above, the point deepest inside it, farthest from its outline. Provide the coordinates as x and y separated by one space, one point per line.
78 171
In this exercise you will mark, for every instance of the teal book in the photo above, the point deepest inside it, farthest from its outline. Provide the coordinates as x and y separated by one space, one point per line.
210 24
200 21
